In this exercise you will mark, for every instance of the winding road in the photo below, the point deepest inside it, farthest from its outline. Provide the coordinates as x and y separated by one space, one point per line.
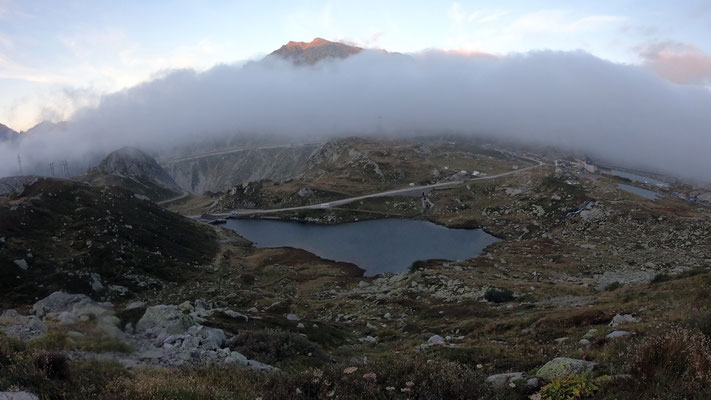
408 190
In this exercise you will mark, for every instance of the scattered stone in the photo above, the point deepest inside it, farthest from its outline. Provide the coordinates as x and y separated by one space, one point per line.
503 380
368 339
235 314
201 305
300 325
435 340
590 334
96 284
21 327
12 317
305 192
22 264
135 304
350 370
533 382
584 342
562 367
293 317
371 376
561 340
186 306
620 319
617 334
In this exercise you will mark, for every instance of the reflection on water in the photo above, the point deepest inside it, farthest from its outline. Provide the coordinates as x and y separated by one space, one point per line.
639 178
384 245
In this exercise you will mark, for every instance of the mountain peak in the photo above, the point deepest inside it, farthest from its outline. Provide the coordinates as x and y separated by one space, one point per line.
315 51
6 133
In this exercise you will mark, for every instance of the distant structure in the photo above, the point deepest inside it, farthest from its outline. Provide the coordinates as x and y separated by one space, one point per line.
63 170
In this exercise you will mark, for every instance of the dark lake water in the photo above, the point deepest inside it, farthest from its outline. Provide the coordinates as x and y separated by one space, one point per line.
639 178
647 194
384 245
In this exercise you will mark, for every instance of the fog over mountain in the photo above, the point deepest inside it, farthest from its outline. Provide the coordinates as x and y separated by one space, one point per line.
622 113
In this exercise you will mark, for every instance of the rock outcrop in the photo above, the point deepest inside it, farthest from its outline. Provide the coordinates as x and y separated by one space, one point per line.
314 51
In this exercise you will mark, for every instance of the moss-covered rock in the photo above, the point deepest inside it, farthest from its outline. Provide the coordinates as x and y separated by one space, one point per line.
561 367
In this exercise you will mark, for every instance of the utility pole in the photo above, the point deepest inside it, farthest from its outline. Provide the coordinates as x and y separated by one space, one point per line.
65 168
19 162
51 169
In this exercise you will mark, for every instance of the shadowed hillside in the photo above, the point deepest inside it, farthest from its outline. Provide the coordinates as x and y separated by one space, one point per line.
62 235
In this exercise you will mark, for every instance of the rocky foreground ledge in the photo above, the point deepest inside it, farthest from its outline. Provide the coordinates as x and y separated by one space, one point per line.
163 336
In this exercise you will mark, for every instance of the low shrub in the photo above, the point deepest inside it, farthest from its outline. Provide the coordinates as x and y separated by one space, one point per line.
677 361
573 387
498 295
277 347
53 365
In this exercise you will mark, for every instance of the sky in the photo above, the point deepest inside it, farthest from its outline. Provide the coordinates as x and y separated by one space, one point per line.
57 57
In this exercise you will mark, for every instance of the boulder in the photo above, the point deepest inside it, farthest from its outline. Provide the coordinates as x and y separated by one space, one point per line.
22 328
22 264
617 334
69 309
58 302
590 334
96 284
305 192
208 338
12 317
503 380
367 339
17 396
620 319
562 367
166 318
235 314
436 340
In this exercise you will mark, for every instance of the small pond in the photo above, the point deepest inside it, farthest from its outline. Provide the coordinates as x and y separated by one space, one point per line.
377 246
647 194
639 178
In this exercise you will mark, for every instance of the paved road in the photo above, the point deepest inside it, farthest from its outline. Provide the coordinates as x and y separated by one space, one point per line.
231 150
415 189
173 199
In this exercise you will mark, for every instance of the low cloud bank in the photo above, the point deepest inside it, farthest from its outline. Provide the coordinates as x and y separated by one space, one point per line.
621 113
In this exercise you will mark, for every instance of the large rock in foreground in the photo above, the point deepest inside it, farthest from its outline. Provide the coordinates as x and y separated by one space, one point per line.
561 367
167 318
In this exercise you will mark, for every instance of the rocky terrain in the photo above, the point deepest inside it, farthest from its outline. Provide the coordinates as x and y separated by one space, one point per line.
134 170
219 172
594 292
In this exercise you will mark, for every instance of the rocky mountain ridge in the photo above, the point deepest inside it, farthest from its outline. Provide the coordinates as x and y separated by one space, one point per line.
133 170
314 51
